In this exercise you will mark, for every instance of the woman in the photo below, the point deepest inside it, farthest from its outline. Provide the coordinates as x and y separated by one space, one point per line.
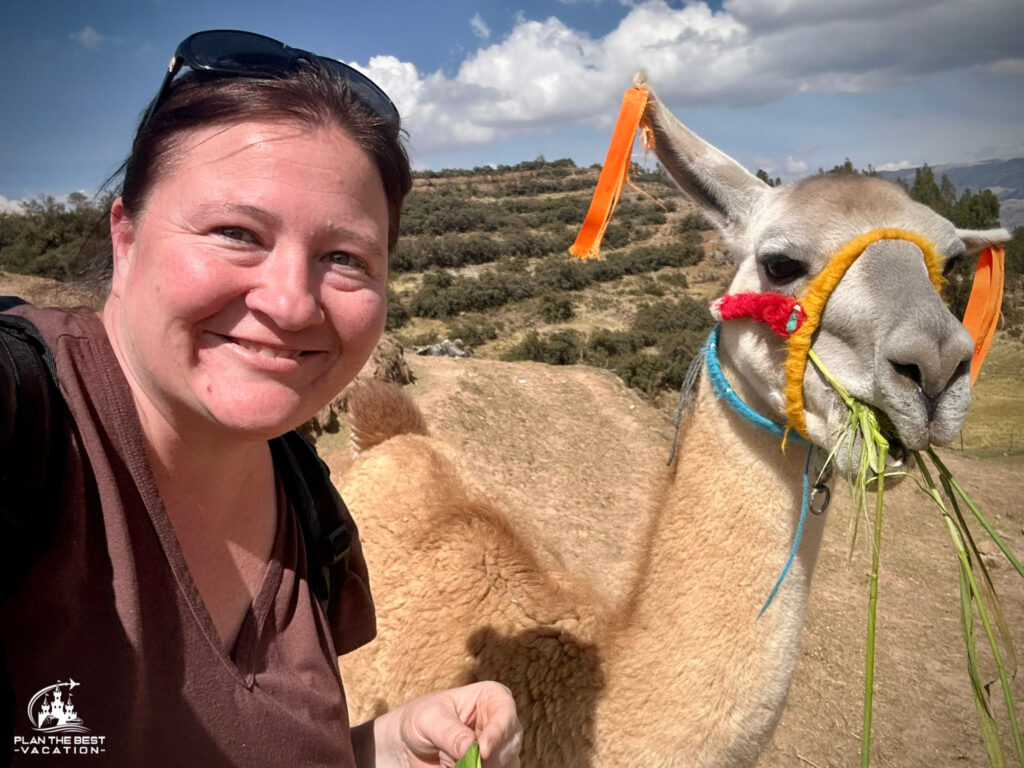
250 246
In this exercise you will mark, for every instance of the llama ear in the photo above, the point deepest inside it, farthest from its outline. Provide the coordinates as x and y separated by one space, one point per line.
977 240
718 184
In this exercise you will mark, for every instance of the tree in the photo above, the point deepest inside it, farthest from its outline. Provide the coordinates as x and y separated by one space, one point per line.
976 211
763 176
925 190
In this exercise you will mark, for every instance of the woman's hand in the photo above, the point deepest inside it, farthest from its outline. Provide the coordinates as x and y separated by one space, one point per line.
437 729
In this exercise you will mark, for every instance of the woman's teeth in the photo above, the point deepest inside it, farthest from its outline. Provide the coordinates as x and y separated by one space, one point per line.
259 349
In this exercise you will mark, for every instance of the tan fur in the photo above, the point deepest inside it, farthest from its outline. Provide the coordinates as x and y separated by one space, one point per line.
680 672
381 411
462 596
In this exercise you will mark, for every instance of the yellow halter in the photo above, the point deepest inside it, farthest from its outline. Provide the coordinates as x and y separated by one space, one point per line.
813 303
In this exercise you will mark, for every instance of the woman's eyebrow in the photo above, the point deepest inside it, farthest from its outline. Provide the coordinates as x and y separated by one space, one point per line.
253 211
269 217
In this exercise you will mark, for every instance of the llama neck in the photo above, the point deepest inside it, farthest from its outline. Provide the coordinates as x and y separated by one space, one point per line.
688 632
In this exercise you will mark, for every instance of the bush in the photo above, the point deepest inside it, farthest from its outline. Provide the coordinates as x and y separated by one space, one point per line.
562 274
441 294
398 315
559 348
605 346
672 316
649 286
676 279
432 299
694 222
555 308
62 241
473 332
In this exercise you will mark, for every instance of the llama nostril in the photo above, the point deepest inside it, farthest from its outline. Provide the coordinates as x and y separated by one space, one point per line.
964 369
908 371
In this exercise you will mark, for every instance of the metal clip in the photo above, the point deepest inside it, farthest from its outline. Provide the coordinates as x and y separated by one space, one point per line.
820 498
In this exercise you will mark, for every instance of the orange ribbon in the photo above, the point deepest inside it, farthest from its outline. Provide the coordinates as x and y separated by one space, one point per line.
613 175
983 307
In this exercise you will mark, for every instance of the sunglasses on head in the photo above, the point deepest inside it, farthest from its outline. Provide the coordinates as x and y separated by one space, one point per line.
247 54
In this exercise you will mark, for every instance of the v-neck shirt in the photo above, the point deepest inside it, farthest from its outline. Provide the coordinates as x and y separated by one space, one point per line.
112 608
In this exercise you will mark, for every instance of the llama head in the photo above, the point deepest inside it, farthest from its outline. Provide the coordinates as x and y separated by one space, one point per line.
884 332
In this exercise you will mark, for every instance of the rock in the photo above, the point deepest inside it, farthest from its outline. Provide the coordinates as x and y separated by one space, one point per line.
447 348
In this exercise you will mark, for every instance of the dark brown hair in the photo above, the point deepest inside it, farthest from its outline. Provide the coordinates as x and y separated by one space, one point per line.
310 95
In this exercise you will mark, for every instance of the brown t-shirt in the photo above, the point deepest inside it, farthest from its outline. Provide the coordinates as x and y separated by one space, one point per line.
112 655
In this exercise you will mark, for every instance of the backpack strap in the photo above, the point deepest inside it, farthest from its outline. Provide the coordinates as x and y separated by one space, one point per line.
32 423
318 505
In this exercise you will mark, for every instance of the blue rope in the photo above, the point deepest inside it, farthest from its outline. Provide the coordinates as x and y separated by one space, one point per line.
725 392
799 532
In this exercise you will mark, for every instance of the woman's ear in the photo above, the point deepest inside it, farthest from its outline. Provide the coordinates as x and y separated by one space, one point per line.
122 237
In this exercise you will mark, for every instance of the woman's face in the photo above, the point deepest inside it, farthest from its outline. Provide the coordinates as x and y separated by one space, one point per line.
251 288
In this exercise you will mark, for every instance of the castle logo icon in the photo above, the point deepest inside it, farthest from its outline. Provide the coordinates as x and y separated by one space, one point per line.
50 712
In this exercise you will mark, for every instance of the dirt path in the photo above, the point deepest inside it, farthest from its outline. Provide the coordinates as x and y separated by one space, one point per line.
575 457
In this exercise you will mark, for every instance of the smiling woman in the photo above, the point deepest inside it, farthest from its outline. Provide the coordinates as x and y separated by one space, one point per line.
259 206
238 302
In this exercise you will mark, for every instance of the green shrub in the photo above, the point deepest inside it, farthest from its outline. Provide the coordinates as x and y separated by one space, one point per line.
675 279
694 222
559 348
473 331
398 315
672 316
555 308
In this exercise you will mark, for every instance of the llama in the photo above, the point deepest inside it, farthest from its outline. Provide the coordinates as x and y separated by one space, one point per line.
680 671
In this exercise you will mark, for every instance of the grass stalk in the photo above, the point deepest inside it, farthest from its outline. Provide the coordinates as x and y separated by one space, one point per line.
945 473
967 571
876 549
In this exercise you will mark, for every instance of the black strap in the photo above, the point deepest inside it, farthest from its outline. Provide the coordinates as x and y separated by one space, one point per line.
319 507
32 421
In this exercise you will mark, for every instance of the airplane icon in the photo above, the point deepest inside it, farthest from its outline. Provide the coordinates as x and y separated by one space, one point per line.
72 684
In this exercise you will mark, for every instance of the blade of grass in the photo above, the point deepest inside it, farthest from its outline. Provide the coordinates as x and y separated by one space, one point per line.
943 471
982 612
989 732
988 588
472 757
869 665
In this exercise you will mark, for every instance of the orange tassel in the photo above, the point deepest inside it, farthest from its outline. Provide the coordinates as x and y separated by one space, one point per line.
985 303
613 175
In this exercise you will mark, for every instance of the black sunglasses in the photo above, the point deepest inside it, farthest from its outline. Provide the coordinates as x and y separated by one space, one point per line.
247 54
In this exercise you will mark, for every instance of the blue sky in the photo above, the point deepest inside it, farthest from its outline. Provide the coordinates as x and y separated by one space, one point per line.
785 85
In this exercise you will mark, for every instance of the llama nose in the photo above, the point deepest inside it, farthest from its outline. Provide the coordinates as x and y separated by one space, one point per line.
932 364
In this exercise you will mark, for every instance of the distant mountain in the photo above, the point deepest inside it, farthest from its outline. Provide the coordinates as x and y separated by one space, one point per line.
1004 177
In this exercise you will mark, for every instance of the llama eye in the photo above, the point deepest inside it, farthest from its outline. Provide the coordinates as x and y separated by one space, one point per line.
781 269
952 262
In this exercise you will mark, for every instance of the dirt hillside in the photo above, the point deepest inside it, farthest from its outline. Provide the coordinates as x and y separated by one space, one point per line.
574 455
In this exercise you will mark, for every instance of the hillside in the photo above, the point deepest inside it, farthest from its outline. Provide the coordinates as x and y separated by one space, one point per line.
484 258
1004 177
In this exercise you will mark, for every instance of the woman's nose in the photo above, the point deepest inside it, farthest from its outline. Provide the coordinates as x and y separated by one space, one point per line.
287 291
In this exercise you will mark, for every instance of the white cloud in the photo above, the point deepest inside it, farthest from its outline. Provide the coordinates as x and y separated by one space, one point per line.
480 28
544 73
897 166
10 206
1006 68
794 166
88 37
